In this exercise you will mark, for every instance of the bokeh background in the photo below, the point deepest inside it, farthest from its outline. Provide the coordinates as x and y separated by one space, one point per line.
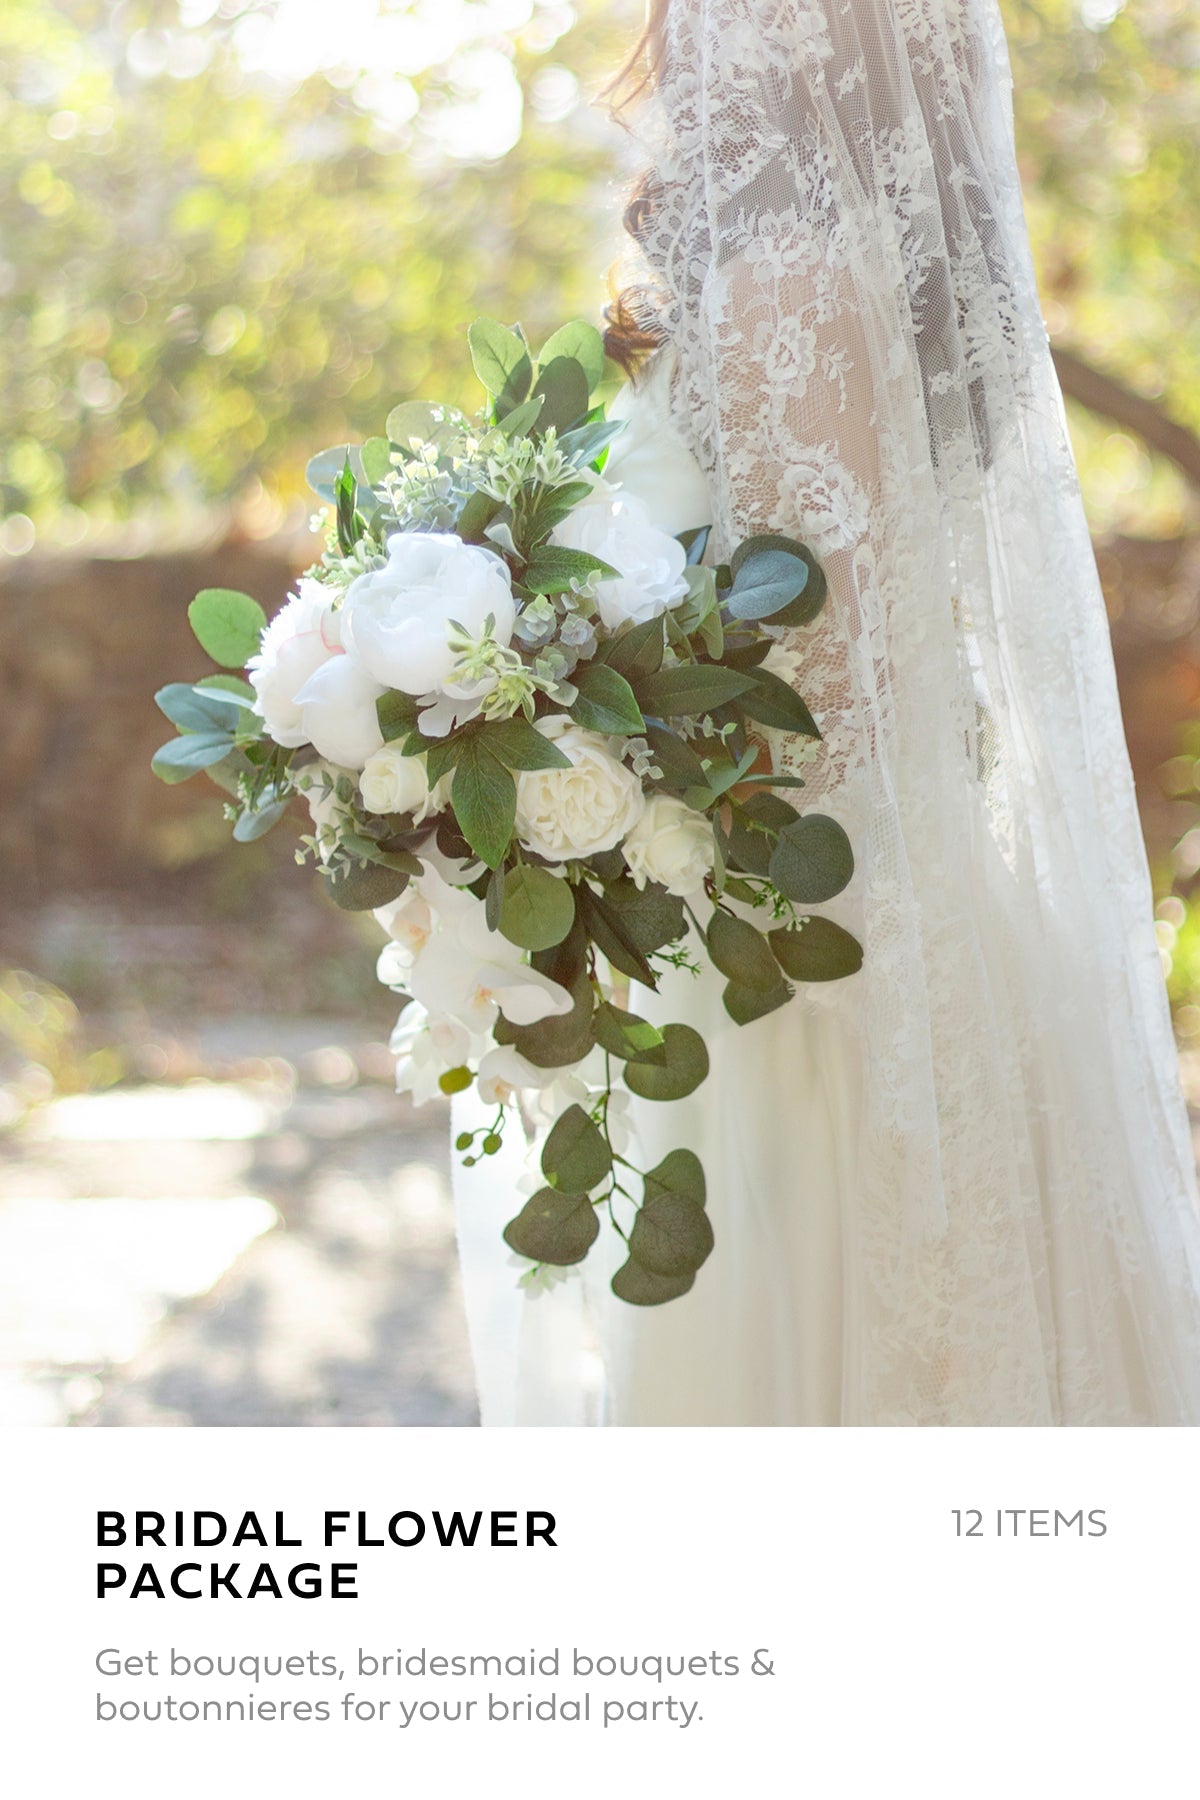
233 232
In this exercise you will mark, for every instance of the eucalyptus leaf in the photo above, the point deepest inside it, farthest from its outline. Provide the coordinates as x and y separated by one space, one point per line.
584 444
744 1003
637 1286
564 385
679 1172
257 821
227 624
562 1038
500 359
672 1235
537 909
740 952
625 1035
683 1067
652 917
749 577
817 950
576 1158
376 456
325 468
196 711
812 860
187 755
581 341
356 888
553 1227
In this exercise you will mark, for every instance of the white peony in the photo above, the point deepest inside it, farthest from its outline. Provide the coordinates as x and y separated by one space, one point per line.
671 844
394 783
577 812
337 712
619 530
397 620
302 636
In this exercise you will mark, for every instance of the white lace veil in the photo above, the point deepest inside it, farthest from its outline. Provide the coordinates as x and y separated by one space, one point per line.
835 246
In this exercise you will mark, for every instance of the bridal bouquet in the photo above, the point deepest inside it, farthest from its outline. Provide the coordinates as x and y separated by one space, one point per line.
530 729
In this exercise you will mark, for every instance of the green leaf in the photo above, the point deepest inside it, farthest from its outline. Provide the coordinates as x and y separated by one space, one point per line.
576 1156
612 938
538 908
518 745
740 952
493 899
672 1235
679 1172
772 702
324 470
565 387
360 889
256 822
744 1004
584 444
551 570
650 915
752 848
637 651
605 702
690 689
193 711
376 457
187 755
227 625
683 1067
500 359
441 754
484 797
397 714
561 1039
637 1286
520 421
817 950
623 1034
553 1228
758 579
812 860
695 542
581 341
416 422
478 513
675 757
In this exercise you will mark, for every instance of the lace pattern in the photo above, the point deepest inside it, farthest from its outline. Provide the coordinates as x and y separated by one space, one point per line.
838 253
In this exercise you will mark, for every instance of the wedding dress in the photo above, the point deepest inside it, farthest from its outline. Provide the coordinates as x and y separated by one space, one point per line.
957 1188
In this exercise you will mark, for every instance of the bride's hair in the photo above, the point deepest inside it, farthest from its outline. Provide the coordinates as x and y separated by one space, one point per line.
632 332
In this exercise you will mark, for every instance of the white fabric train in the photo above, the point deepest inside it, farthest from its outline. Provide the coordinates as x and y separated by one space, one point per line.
958 1189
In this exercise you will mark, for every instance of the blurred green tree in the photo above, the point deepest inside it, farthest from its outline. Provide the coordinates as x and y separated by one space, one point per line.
208 271
213 262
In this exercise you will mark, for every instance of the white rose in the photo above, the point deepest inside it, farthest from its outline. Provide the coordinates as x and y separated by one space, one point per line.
671 844
337 712
396 620
565 813
301 637
618 529
394 783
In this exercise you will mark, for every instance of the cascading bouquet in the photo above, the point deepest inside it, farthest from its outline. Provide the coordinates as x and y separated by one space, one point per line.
530 729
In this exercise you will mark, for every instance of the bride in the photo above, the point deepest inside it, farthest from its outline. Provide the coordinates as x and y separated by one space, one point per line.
956 1189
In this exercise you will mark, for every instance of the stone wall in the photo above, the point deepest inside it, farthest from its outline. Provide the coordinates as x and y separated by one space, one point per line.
84 644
